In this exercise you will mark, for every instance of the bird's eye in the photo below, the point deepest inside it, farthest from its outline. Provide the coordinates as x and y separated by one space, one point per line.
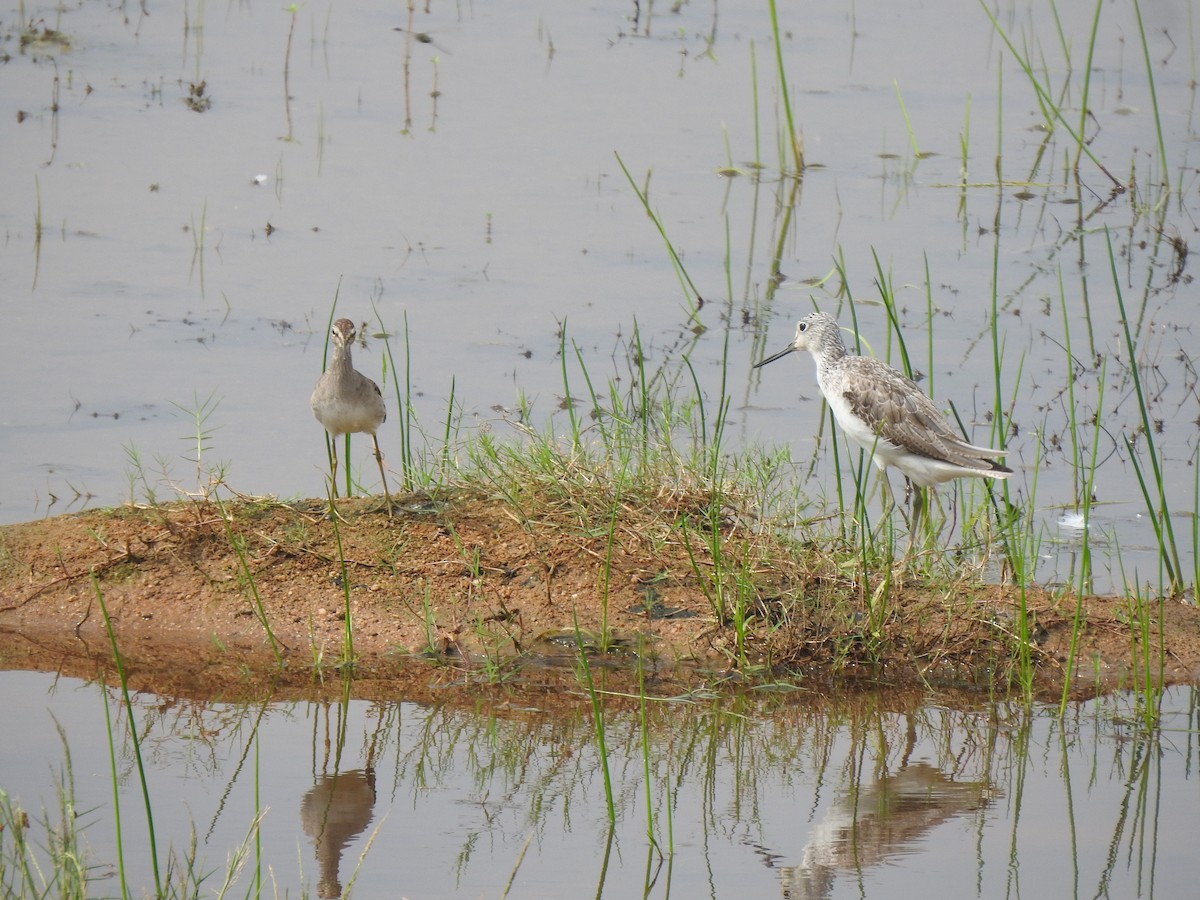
804 326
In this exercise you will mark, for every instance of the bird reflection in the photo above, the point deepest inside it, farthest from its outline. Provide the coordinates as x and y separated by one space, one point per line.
867 827
340 804
335 811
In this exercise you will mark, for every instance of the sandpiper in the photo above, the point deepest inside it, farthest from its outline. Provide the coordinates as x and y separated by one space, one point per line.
886 413
346 401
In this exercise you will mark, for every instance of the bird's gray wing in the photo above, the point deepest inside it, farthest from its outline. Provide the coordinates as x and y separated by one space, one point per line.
897 410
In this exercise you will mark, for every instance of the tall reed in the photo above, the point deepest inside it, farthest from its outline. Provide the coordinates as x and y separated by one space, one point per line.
135 742
1154 490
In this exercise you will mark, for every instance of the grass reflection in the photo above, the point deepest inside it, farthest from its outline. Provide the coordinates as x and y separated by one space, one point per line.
498 791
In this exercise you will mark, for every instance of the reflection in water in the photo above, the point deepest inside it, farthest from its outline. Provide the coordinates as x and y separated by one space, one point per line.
869 825
338 807
783 794
335 811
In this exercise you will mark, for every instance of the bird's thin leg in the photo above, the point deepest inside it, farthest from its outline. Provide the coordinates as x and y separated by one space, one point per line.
904 507
333 492
888 501
887 497
953 517
379 459
892 505
920 503
334 463
933 528
909 520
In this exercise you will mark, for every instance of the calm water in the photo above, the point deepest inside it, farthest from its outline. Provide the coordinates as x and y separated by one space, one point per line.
761 797
157 260
469 185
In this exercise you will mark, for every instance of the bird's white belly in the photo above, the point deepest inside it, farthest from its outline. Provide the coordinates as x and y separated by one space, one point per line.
883 452
339 417
921 470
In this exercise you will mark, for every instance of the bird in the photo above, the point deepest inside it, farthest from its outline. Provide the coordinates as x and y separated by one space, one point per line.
345 401
886 413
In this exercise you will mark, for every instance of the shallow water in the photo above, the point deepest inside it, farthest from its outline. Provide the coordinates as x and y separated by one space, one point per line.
143 284
775 795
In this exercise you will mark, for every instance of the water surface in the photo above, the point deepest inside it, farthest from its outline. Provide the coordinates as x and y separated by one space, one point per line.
479 203
763 796
162 262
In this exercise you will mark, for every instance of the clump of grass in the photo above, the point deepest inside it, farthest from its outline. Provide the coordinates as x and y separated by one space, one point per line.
635 465
64 867
649 461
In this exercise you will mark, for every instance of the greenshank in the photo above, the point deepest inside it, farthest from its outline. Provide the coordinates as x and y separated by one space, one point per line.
346 401
886 413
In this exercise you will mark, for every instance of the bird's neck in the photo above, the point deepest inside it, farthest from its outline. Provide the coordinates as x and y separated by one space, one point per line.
830 351
341 361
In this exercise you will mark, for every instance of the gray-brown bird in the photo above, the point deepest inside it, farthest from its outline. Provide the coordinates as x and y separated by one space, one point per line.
346 401
886 413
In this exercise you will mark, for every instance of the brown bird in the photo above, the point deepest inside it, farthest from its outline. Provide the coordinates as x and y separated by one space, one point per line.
346 401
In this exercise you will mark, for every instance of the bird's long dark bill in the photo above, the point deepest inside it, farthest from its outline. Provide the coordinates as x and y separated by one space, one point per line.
770 359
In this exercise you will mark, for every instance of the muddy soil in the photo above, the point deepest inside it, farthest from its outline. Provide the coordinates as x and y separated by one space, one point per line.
251 599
